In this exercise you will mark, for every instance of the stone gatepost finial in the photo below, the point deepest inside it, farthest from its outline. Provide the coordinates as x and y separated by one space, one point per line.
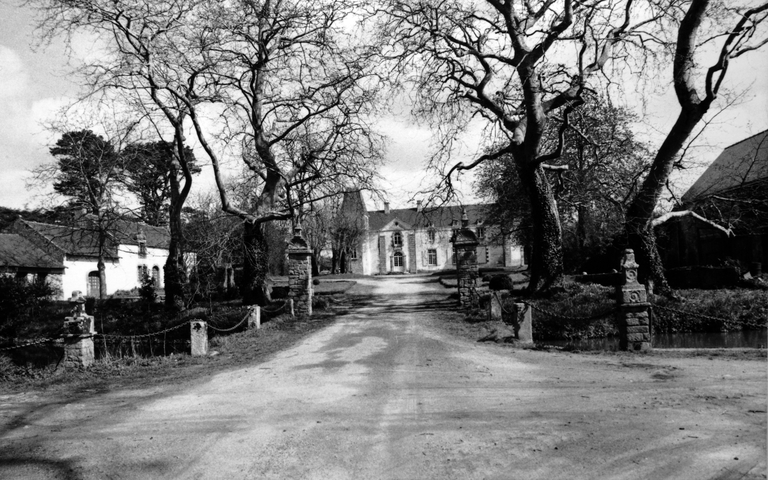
297 230
629 267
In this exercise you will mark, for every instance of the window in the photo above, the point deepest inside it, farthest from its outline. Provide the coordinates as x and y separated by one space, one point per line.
142 249
142 272
94 284
397 239
431 235
432 257
353 254
398 260
481 233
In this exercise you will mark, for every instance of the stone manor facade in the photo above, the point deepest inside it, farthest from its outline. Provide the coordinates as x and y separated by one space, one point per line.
415 240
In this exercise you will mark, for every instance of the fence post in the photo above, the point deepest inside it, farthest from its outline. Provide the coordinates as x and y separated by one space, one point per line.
523 316
254 317
78 337
290 301
633 321
300 273
198 338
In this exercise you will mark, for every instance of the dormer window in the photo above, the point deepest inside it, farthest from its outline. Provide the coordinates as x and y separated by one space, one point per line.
481 233
431 234
397 239
141 239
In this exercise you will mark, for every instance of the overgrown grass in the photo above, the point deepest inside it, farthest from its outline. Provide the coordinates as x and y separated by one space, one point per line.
728 310
36 367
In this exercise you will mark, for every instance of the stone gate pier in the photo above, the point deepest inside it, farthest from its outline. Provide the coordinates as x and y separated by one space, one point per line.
300 288
465 248
78 335
633 319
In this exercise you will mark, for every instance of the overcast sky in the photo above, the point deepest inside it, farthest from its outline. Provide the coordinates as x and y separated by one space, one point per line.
33 85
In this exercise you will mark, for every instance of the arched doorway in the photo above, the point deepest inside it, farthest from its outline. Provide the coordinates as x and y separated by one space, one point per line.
94 284
156 276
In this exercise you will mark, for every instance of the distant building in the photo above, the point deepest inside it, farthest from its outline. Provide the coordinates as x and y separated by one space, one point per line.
733 191
66 256
419 240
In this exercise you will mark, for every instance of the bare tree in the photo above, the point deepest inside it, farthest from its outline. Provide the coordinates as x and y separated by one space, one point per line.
519 68
293 93
734 41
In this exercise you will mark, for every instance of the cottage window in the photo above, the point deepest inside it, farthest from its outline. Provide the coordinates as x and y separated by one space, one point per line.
397 239
142 273
431 235
432 257
353 254
481 233
142 249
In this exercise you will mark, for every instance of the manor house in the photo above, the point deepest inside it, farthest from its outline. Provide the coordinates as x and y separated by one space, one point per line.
414 240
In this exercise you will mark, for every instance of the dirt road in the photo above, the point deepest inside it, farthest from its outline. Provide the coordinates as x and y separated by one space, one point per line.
385 394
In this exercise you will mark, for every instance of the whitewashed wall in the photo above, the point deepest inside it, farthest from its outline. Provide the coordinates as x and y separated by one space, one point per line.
121 274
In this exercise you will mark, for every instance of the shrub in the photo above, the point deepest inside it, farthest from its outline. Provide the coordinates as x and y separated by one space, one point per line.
20 301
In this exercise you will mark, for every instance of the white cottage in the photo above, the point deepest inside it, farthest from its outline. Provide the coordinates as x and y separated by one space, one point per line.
67 256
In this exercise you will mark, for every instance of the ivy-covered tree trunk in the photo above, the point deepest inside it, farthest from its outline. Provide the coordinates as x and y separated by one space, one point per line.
176 278
546 265
255 288
175 268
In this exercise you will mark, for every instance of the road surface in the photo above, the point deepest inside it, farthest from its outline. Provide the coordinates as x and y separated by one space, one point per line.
384 393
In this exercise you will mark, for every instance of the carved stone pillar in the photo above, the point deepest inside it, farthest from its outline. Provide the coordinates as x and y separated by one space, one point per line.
78 335
633 318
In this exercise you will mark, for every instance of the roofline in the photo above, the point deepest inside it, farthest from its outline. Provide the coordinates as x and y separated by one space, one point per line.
745 139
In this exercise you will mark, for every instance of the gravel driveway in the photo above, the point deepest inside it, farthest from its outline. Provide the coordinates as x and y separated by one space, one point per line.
383 393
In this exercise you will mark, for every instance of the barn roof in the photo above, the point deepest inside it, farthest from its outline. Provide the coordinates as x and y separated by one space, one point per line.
742 163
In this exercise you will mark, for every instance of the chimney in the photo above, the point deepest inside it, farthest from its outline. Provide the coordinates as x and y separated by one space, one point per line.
386 208
418 206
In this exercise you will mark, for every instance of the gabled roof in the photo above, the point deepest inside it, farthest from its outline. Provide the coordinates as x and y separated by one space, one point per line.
440 217
740 164
18 252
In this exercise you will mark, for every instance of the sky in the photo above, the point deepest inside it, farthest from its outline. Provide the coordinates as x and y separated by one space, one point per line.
34 85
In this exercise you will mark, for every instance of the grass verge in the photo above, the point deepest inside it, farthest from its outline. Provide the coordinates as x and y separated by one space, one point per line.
225 352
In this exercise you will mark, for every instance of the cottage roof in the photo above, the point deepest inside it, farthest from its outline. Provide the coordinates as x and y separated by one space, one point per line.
84 241
741 163
18 252
440 217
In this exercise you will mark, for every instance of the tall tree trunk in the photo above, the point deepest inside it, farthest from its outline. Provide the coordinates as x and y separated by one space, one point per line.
546 265
101 266
638 232
175 266
255 288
